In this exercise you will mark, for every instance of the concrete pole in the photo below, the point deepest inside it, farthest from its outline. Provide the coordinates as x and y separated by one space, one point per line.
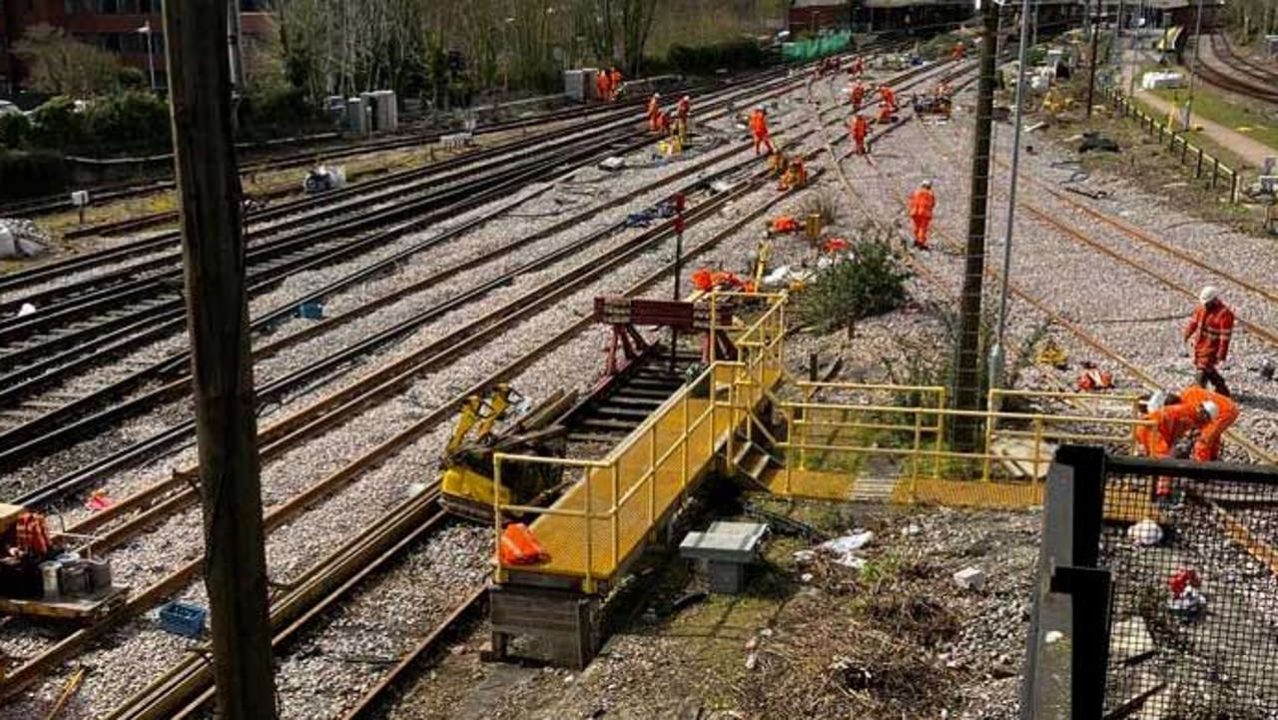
997 353
217 314
967 377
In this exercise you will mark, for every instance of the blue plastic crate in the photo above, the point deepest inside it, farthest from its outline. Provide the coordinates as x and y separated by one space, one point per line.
310 311
183 619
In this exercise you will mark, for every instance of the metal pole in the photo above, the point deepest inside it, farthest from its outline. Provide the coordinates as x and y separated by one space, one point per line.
1193 71
150 55
997 353
209 195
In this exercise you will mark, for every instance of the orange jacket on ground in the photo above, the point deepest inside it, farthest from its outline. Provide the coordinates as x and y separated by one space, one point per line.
1207 446
922 203
1213 326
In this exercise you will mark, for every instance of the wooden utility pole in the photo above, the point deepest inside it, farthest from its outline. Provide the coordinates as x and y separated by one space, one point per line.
195 33
1091 75
967 377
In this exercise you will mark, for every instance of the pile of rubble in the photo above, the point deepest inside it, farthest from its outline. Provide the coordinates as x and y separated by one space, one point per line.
21 239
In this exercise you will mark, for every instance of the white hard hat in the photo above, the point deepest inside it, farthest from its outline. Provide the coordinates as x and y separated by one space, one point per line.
926 183
656 94
1209 293
1211 408
687 97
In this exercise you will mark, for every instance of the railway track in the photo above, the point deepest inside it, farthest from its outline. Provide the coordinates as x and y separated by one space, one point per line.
292 428
301 158
1234 527
41 427
1237 76
279 515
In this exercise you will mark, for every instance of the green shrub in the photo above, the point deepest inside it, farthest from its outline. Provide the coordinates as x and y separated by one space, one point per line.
707 59
129 120
31 174
870 282
276 108
131 78
15 128
56 125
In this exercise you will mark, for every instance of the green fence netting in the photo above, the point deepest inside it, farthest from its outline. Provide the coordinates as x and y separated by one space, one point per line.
816 47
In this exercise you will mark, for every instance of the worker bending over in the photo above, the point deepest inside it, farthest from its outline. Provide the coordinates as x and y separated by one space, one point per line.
795 175
1209 331
885 114
889 96
654 112
759 130
860 128
614 82
959 51
922 204
1176 418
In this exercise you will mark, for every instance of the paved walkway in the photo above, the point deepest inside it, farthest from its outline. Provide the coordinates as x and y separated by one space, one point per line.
1252 151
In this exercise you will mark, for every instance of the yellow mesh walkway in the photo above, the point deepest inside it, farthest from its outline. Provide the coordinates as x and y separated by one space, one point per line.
565 537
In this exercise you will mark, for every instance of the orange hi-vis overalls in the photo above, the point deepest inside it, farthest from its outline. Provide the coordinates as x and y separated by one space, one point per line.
858 96
1214 327
1171 423
614 82
1207 447
759 130
654 114
860 129
889 97
603 85
922 203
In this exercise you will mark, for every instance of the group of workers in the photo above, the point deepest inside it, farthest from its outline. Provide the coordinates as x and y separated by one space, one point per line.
661 120
607 82
1208 413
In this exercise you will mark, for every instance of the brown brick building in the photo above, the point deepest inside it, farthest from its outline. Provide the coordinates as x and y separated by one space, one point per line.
110 24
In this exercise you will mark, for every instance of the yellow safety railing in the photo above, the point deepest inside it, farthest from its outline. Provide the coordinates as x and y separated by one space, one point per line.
615 502
861 422
595 525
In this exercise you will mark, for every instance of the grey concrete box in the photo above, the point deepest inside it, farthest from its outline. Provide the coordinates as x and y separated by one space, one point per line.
726 548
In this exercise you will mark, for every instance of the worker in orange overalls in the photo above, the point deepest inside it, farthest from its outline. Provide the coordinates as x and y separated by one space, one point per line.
922 204
860 129
857 68
1210 330
1195 410
604 86
664 124
795 175
654 112
683 111
858 96
889 96
614 81
759 130
885 113
959 51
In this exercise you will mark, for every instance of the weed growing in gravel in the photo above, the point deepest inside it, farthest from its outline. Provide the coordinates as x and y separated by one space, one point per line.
870 282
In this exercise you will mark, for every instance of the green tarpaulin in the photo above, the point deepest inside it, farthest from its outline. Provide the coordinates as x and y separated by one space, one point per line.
816 47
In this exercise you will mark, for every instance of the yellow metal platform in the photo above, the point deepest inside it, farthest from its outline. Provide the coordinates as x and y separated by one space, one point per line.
640 507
